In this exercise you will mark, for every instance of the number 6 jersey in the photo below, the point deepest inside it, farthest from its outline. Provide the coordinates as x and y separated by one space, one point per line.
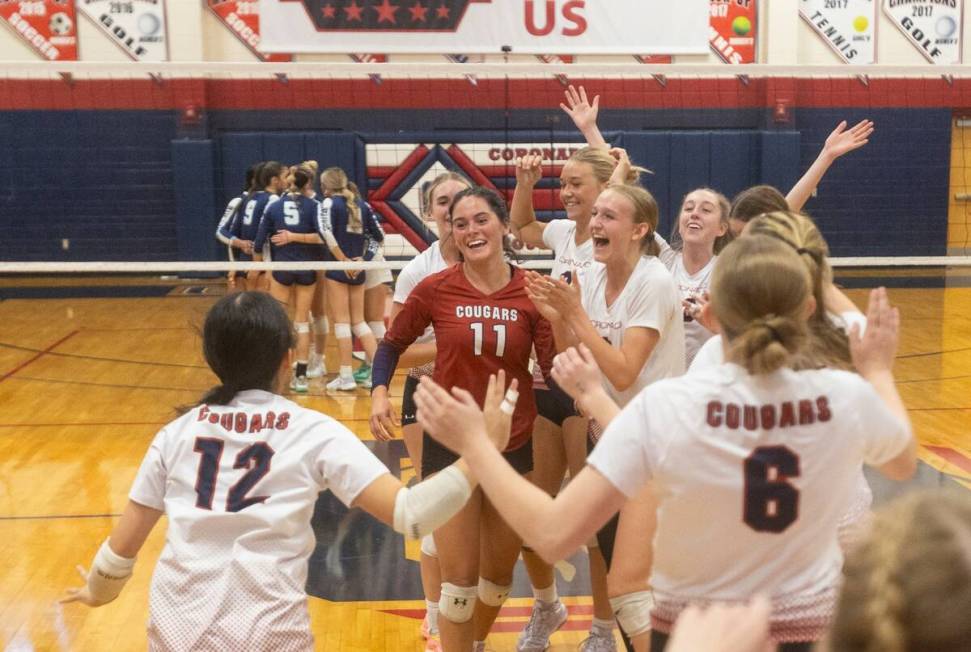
238 484
751 475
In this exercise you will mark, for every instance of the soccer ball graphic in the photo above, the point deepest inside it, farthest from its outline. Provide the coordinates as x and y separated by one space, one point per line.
61 24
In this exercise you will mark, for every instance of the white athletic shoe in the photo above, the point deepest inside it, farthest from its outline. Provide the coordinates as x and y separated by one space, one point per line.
317 367
598 643
299 384
342 384
543 623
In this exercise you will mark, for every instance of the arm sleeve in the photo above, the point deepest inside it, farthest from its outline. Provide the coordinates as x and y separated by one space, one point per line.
148 489
373 235
627 452
223 233
884 435
345 465
325 225
407 327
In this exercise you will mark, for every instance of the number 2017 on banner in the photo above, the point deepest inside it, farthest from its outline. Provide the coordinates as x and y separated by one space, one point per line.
836 4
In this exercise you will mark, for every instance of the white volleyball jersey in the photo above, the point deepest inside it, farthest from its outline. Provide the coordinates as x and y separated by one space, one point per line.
750 472
417 270
649 300
690 286
560 236
238 484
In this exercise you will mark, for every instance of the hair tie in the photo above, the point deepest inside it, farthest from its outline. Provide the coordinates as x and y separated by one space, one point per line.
776 335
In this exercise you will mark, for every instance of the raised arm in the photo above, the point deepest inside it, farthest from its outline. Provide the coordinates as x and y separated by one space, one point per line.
529 170
840 142
584 115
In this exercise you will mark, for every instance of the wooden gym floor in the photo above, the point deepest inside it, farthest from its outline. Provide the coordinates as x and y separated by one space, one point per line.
90 369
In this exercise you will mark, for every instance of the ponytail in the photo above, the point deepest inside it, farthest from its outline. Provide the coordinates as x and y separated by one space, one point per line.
769 343
334 180
219 395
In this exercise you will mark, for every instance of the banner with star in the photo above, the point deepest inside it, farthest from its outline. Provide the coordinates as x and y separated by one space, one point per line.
485 26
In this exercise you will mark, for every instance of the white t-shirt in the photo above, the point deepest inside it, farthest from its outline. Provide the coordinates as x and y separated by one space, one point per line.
559 235
649 300
418 269
239 494
689 286
748 505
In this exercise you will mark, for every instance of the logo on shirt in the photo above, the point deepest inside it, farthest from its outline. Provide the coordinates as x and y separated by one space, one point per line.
766 417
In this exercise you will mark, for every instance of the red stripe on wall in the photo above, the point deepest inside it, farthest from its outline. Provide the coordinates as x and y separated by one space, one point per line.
544 94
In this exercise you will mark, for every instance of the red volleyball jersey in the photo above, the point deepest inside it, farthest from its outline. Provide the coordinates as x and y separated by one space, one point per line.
477 335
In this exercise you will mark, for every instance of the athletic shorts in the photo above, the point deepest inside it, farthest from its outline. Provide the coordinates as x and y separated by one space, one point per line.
435 457
375 277
554 404
302 277
341 277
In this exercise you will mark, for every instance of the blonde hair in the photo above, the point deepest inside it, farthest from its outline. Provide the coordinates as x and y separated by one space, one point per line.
645 212
428 194
334 180
907 586
830 346
313 165
759 291
603 164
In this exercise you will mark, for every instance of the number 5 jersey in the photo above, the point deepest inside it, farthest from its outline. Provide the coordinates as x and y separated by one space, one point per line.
238 484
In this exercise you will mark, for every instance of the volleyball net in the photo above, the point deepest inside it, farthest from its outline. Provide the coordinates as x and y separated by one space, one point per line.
140 160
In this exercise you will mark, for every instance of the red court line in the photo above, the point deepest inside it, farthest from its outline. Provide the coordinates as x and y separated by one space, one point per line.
952 456
38 355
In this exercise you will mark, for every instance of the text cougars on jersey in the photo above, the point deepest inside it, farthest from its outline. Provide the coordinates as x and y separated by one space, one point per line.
487 312
766 417
244 422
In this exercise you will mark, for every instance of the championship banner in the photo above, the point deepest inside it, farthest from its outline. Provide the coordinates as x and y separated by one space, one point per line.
486 26
847 26
933 26
733 31
136 26
654 58
48 26
242 17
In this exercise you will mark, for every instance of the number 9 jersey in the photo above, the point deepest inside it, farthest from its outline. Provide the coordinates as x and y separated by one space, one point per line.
238 484
477 335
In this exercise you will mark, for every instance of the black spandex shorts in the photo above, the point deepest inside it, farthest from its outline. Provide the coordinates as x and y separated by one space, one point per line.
303 277
341 277
435 457
554 404
408 407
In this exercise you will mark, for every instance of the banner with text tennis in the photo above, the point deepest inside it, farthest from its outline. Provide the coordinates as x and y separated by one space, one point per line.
933 26
484 26
847 26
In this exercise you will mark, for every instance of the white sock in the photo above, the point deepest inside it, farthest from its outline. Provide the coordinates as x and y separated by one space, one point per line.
432 609
347 371
602 627
547 595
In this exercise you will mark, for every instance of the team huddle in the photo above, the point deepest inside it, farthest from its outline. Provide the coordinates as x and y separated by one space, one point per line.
696 411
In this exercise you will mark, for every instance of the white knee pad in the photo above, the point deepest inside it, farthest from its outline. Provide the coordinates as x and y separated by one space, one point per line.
321 326
457 602
377 327
342 331
301 327
361 329
633 612
428 546
493 594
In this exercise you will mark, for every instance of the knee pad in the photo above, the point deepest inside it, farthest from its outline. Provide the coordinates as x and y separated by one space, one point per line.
361 329
378 328
457 602
428 546
301 327
633 612
493 594
321 326
342 331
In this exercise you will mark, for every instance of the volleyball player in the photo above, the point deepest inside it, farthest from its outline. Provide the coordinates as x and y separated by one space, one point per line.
748 460
584 176
233 208
440 254
270 181
351 232
291 226
238 477
483 321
